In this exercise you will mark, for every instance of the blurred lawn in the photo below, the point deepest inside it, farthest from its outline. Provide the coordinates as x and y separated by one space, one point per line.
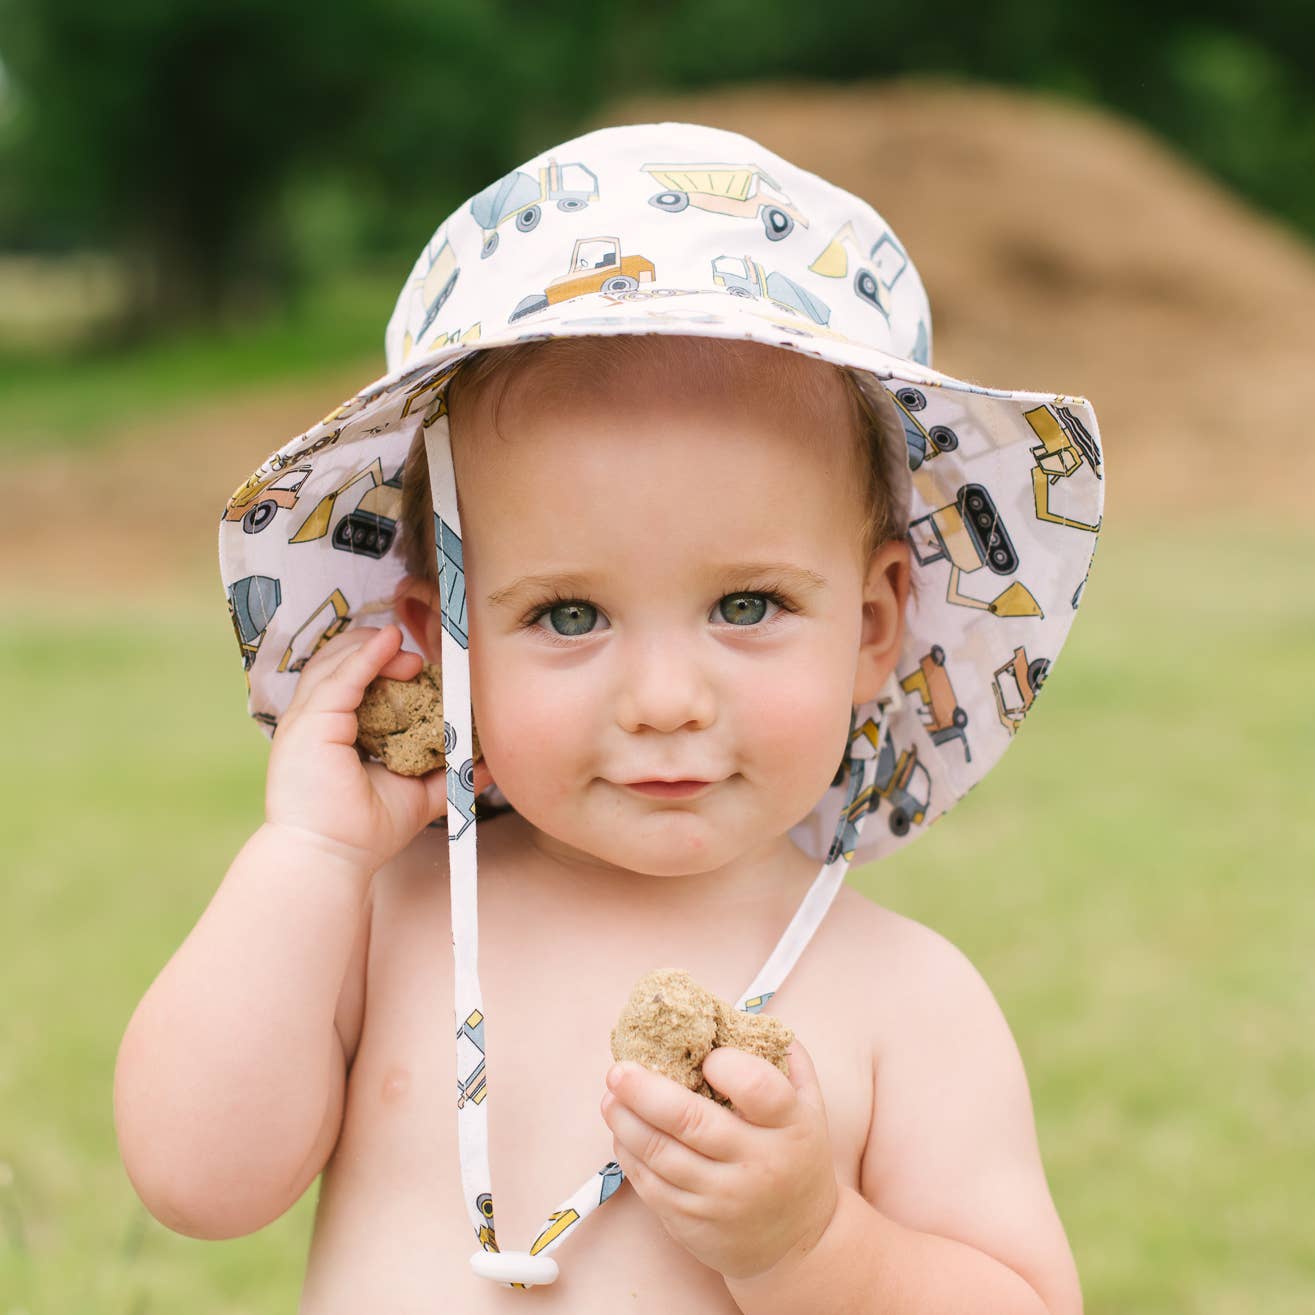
48 400
1134 883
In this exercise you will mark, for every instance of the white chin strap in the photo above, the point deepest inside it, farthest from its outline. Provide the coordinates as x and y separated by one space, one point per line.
523 1269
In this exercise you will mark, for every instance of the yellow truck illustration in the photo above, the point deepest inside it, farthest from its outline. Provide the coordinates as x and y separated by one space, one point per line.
901 780
330 618
970 534
943 719
1016 686
520 198
430 293
256 502
597 265
745 277
875 272
368 529
741 190
1066 447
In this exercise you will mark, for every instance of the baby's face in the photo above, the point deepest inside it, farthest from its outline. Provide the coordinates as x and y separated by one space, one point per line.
662 584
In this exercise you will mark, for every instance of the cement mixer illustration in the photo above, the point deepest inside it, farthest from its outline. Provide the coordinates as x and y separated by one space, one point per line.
519 198
741 190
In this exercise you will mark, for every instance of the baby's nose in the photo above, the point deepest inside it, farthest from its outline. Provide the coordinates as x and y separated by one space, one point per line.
664 686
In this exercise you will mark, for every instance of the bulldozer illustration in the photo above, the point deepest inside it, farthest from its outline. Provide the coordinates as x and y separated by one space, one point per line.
944 718
430 292
1016 687
520 198
330 618
923 444
875 273
597 265
1066 446
252 602
741 190
369 528
470 1068
970 535
745 277
256 502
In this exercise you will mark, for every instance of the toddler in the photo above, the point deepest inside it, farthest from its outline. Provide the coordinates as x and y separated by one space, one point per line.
737 591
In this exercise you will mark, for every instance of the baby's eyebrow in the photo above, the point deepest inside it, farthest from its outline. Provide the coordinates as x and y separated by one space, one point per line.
785 575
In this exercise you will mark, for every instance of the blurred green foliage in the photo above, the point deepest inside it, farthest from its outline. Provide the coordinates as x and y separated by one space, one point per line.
233 150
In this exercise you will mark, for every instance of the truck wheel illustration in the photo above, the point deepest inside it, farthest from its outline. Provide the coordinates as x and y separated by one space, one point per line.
899 822
1036 673
672 202
528 218
776 223
911 399
865 285
621 283
943 438
259 516
569 203
938 655
489 247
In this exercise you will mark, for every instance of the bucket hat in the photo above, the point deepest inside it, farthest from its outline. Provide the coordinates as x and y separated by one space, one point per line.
676 228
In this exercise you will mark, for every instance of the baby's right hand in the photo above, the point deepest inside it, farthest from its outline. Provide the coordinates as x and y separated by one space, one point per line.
318 783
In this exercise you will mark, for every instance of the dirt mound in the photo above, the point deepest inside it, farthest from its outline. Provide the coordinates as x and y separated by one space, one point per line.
1063 249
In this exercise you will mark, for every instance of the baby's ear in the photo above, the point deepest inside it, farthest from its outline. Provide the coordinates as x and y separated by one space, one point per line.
416 605
885 596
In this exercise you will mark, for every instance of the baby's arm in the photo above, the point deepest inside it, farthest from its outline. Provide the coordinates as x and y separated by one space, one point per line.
229 1087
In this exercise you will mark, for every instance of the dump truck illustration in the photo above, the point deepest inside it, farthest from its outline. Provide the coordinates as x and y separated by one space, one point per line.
252 602
875 272
944 719
745 277
330 618
368 529
923 444
259 500
429 294
470 1067
901 780
1066 447
740 190
520 198
1016 686
970 534
597 265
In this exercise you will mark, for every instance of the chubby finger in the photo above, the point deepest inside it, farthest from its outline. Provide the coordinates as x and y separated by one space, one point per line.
695 1121
341 687
671 1160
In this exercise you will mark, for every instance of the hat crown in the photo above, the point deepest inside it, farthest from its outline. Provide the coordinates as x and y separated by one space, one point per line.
660 212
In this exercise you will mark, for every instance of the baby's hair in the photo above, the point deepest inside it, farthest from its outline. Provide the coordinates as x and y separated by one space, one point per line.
880 447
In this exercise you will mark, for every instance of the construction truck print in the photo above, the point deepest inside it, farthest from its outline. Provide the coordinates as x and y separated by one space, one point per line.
742 276
1066 447
471 1084
429 292
923 444
742 191
330 618
596 265
261 498
519 199
1016 686
943 718
901 780
874 272
367 529
970 535
252 602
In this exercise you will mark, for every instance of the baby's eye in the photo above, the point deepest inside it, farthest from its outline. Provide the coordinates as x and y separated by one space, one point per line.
744 609
574 617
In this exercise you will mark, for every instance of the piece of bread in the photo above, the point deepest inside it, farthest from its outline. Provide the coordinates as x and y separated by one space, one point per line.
670 1024
400 722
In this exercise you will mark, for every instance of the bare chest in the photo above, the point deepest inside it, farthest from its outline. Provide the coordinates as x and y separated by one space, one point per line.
391 1230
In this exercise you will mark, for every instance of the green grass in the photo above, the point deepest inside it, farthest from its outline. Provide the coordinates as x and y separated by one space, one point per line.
1133 880
53 401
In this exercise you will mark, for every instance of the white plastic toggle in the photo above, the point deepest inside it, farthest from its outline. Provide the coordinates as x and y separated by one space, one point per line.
514 1267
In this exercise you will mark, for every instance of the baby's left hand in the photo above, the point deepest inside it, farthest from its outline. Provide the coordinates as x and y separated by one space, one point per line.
738 1193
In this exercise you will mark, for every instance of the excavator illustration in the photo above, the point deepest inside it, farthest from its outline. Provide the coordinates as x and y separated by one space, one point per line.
1066 446
1016 686
745 277
875 272
520 198
597 265
944 719
740 190
368 529
970 534
330 618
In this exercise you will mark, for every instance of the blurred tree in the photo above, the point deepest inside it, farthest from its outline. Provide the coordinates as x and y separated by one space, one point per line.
231 148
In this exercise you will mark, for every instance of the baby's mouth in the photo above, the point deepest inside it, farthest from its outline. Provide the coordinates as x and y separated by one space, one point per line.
669 789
